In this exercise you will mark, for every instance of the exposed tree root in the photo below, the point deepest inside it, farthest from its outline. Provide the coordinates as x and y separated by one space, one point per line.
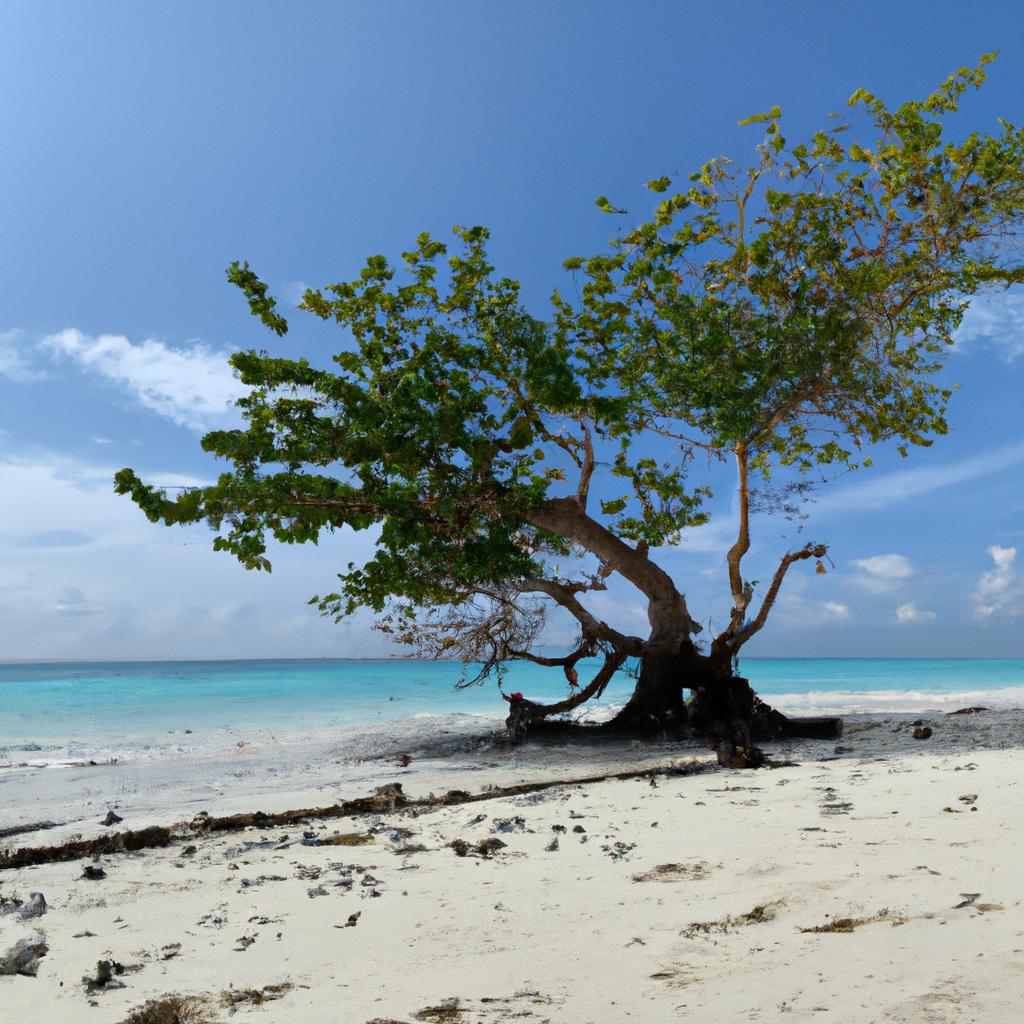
771 726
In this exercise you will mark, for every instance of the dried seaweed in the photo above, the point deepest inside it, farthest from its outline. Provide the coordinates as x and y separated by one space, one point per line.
844 925
254 996
170 1009
118 842
761 914
386 799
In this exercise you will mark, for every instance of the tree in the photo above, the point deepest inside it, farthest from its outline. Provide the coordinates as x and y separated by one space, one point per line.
783 316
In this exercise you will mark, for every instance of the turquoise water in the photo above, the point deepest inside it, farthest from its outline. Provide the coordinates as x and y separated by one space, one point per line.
118 702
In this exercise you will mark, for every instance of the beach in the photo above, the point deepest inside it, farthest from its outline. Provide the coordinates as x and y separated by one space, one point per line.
511 514
869 879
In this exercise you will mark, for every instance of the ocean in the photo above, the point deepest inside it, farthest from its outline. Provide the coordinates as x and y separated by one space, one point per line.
130 707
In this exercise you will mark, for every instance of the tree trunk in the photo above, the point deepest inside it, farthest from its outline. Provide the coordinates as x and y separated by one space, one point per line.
728 711
657 702
723 709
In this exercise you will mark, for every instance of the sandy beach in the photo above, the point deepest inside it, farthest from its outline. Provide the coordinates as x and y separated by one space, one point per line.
512 513
865 881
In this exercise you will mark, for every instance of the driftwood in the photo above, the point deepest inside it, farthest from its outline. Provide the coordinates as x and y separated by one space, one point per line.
20 830
386 799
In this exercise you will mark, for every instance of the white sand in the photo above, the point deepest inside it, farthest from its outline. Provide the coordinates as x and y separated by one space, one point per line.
562 935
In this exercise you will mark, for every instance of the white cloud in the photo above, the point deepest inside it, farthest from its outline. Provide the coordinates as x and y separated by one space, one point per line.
1000 590
13 363
882 572
835 610
193 386
994 320
72 602
890 567
713 538
48 497
793 609
909 612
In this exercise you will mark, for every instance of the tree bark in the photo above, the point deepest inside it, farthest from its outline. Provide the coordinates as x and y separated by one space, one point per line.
723 709
657 702
734 719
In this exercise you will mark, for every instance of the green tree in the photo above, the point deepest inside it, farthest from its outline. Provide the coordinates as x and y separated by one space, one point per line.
784 316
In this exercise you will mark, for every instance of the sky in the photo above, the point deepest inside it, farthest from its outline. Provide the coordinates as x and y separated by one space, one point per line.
147 146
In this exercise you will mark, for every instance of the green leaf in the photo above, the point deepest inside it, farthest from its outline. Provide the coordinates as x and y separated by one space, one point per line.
768 115
605 206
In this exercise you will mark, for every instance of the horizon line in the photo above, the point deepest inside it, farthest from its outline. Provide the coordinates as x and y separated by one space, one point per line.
455 661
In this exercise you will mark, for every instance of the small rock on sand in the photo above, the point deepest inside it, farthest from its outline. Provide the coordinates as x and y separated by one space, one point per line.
23 957
35 907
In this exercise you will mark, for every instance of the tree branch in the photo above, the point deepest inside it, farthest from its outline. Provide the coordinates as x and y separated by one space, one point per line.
667 607
566 663
757 623
587 468
741 593
612 662
593 628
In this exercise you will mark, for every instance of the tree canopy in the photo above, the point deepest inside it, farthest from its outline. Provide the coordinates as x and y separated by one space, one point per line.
784 315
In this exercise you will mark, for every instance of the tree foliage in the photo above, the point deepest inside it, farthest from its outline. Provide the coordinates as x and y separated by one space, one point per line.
784 314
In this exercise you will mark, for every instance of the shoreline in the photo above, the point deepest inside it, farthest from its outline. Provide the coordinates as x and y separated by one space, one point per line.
203 742
273 773
456 661
645 900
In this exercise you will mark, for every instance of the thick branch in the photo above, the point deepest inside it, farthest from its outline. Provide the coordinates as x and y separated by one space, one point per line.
757 623
667 607
612 661
587 468
567 663
741 594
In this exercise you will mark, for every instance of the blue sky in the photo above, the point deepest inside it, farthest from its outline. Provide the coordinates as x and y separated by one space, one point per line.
147 146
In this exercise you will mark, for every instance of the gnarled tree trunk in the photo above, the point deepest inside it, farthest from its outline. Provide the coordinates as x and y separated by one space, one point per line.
657 703
724 708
